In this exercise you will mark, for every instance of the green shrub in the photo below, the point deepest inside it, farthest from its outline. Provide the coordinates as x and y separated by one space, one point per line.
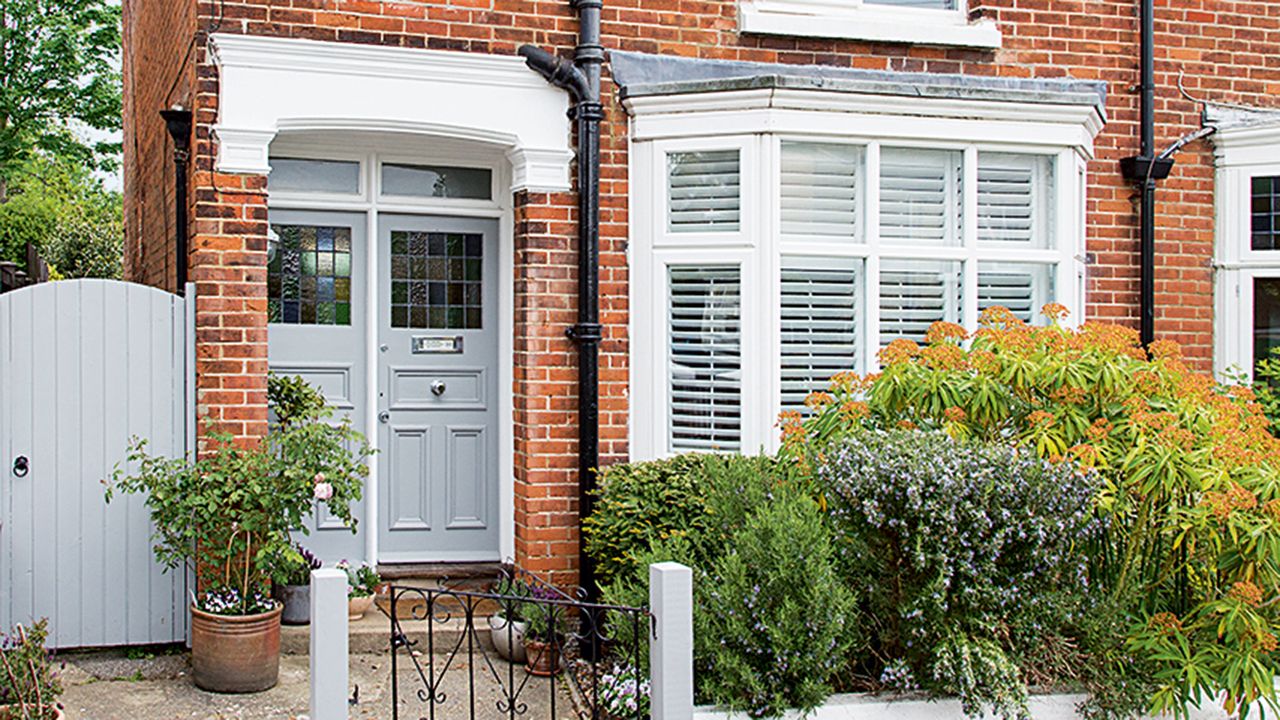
965 553
639 504
774 621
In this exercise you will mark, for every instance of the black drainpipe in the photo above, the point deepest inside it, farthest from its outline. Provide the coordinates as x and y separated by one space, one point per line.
178 121
582 79
1145 170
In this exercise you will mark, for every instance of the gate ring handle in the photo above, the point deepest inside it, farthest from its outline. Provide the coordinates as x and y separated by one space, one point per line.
21 466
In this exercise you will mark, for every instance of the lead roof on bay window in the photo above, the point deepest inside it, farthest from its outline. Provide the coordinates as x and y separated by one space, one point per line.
642 74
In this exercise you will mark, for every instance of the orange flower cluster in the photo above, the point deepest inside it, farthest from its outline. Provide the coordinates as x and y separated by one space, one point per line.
855 411
1099 430
1057 312
817 400
898 351
1069 395
792 428
1040 417
1166 621
1272 508
941 332
1246 592
944 357
1265 641
955 414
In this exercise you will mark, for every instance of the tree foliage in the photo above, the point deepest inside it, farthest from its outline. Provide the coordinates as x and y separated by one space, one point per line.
58 76
64 211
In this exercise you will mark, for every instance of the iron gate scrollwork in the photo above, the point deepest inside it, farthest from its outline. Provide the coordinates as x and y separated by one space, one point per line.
577 660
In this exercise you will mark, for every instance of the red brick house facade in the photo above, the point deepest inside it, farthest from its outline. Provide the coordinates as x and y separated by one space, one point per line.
711 94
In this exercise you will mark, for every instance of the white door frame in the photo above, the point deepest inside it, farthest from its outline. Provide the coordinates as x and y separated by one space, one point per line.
373 150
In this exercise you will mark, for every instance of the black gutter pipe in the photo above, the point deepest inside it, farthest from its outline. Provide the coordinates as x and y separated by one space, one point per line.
1145 170
178 121
581 78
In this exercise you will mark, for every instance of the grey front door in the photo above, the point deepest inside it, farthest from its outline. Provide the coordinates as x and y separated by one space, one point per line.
437 389
316 312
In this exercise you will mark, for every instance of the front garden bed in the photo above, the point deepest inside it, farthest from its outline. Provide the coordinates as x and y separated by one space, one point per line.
1023 506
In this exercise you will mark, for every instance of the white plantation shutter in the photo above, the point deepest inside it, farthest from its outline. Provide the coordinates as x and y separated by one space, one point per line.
705 363
820 189
1022 288
703 191
920 197
1013 200
915 295
820 323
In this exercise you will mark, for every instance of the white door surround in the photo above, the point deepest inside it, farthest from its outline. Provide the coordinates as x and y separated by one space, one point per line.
273 85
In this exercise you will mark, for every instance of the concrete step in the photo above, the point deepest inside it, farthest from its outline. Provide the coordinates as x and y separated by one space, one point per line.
371 635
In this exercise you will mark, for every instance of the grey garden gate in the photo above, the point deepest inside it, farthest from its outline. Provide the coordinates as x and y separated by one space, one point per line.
84 366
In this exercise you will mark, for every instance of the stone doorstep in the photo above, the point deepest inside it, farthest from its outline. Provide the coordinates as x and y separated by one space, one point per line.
371 635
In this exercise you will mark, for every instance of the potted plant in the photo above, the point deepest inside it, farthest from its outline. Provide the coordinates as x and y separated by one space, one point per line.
545 623
506 626
228 516
291 584
29 686
362 585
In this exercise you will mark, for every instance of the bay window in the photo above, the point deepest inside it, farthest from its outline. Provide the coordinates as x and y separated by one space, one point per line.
765 264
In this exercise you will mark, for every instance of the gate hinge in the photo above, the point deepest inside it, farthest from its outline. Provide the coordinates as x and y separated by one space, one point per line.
585 333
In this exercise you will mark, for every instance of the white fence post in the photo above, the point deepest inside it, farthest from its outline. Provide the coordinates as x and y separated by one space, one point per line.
328 645
671 652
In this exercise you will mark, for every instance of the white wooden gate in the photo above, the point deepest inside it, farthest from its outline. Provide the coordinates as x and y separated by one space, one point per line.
84 366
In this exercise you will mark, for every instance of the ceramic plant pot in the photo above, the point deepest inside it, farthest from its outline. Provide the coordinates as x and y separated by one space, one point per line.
297 603
358 606
541 658
508 638
235 653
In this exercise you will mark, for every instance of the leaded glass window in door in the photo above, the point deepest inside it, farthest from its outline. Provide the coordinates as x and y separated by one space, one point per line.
436 280
309 275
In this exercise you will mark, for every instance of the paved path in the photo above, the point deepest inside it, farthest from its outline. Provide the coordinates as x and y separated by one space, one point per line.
117 688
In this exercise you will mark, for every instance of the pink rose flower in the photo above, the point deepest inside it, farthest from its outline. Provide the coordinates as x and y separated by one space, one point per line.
319 478
324 491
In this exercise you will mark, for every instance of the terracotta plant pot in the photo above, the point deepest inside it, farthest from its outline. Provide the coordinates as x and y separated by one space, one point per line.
358 606
11 712
508 638
541 658
235 653
297 603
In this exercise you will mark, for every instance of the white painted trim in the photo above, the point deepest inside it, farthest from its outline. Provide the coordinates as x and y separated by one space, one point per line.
912 707
867 117
271 85
850 19
1241 152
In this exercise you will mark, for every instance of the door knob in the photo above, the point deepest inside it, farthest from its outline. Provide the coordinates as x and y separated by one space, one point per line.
438 388
384 417
21 466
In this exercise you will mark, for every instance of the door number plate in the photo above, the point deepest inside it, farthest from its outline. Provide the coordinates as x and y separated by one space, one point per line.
436 344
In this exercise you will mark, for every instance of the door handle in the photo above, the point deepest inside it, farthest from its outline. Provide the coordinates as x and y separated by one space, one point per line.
384 417
437 388
21 466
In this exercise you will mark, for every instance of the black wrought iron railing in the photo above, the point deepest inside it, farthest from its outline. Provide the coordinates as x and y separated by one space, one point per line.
524 650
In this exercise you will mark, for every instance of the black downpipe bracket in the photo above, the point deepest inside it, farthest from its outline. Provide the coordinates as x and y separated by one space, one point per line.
178 122
581 78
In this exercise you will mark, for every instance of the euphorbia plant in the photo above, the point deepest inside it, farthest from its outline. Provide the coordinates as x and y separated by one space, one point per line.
229 513
1190 478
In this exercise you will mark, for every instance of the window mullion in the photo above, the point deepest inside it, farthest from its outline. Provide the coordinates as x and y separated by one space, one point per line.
969 232
871 225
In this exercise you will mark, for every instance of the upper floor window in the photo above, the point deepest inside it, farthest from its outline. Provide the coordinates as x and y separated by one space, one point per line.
925 22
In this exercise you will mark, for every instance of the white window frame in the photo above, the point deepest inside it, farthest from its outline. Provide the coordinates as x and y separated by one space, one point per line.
758 248
1237 264
861 20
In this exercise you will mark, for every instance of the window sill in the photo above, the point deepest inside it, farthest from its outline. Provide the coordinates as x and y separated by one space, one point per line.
921 28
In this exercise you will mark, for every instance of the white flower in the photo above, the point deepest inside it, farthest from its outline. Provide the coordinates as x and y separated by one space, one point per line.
323 490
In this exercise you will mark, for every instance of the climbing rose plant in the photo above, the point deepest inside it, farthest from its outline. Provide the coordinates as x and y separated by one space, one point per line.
1190 478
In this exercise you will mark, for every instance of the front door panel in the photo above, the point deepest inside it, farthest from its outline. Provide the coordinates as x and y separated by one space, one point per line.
316 311
437 386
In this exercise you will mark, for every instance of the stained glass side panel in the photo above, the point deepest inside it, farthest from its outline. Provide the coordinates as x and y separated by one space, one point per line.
436 280
309 275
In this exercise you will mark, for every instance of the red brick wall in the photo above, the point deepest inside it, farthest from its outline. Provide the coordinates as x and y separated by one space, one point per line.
1226 49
